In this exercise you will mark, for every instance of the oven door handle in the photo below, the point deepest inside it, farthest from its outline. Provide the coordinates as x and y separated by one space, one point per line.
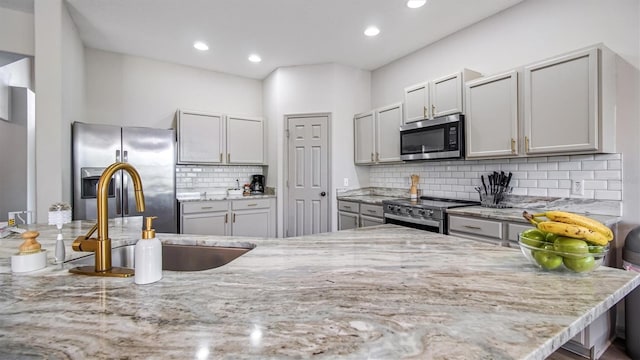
414 221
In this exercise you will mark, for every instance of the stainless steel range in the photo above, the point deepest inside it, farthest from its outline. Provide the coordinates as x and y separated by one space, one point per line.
427 213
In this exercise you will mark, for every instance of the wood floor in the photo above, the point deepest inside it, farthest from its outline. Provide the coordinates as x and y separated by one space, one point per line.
615 352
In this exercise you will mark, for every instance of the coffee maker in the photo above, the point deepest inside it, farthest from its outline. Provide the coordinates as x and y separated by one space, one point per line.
257 184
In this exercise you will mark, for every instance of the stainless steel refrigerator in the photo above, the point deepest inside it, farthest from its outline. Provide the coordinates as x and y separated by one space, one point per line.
150 151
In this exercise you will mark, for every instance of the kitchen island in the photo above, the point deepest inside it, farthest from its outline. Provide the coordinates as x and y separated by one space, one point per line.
383 292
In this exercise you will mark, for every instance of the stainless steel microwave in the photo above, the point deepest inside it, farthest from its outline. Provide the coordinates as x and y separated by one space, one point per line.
439 138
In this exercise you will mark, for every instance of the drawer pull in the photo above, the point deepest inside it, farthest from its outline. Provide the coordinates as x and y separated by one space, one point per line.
473 227
252 204
347 207
372 211
206 207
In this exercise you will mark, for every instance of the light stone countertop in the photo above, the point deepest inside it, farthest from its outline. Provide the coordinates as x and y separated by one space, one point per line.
367 199
515 214
228 197
383 292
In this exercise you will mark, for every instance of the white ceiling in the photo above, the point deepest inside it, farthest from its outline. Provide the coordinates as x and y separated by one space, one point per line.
283 32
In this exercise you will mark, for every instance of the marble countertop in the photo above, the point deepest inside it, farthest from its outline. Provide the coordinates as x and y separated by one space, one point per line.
367 199
227 197
515 214
383 292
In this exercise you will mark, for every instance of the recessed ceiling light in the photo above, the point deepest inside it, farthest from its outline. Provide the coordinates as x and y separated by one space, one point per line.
255 58
200 46
372 31
414 4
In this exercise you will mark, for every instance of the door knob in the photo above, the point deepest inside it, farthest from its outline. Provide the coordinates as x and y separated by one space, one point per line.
323 194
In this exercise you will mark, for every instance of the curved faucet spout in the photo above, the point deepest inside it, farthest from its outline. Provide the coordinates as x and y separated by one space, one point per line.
102 244
103 195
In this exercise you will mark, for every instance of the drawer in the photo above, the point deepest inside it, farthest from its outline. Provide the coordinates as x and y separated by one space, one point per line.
250 204
487 228
514 229
371 210
349 206
195 207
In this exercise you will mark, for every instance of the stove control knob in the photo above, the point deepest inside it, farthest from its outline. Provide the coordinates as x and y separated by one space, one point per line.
421 212
430 212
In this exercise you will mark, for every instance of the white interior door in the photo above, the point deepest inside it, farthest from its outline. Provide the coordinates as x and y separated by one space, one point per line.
307 210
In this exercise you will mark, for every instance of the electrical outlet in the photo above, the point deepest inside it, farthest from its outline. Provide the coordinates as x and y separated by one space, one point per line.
345 182
577 187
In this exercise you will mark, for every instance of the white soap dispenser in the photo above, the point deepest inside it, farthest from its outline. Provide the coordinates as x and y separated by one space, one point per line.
148 255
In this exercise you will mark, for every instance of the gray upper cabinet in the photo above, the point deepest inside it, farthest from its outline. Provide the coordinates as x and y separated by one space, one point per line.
200 138
377 135
439 97
491 124
364 124
446 95
561 104
215 139
245 140
416 102
388 122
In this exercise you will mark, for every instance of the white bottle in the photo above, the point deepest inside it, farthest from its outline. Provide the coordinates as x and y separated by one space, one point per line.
148 256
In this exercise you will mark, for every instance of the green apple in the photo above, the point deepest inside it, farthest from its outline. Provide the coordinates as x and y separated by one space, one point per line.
573 248
551 237
547 259
596 249
533 237
581 264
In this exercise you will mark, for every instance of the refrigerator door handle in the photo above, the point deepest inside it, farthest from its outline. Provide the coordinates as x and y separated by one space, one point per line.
118 191
125 192
117 155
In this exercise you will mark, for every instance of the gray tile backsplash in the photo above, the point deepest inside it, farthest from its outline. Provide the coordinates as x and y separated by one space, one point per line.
202 177
537 176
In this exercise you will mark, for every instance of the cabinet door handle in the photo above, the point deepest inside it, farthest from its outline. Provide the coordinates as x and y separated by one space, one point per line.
433 110
377 156
252 204
371 211
473 227
372 157
526 143
220 157
513 146
206 207
234 218
424 112
347 207
226 218
229 157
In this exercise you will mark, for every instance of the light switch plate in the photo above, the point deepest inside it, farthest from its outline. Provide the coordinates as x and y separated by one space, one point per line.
345 182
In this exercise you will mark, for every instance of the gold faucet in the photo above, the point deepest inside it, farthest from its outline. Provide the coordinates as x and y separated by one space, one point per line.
102 245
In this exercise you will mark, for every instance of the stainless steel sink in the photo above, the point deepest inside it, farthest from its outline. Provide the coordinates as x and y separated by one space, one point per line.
174 257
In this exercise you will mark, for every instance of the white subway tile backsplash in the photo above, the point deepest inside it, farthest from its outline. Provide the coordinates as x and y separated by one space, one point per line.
558 175
205 177
608 175
540 176
576 165
594 165
608 195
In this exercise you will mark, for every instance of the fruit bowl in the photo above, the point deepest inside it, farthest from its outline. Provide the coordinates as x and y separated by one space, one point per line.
562 254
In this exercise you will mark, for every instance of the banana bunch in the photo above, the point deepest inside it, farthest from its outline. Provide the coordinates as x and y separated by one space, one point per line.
571 225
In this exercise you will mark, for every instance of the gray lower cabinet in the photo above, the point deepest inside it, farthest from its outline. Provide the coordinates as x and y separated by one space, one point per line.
204 218
242 217
347 220
353 214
